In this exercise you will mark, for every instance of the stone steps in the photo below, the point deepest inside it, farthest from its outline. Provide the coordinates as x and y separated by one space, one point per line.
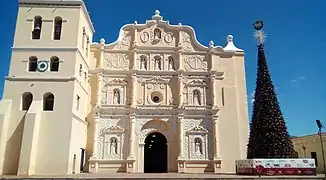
155 176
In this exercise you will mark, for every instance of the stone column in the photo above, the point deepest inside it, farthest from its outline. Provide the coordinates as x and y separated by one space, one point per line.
133 96
99 89
216 137
96 135
132 119
180 90
213 90
131 156
181 136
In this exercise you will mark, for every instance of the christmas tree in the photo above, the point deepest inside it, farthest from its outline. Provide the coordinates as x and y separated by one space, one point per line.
269 137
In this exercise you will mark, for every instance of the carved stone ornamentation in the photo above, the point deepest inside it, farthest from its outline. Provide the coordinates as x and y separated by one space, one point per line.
113 92
117 61
144 37
156 80
168 38
195 63
140 101
156 36
186 42
198 145
125 42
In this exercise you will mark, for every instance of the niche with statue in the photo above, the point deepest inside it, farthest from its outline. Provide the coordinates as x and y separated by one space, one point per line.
114 92
198 145
113 143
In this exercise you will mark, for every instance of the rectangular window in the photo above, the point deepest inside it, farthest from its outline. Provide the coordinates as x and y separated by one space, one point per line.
78 101
314 156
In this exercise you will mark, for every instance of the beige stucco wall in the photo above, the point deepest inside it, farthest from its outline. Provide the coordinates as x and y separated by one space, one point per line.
58 134
311 143
93 70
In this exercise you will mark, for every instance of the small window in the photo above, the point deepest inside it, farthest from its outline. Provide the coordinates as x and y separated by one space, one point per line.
77 103
36 33
57 28
80 69
54 65
87 44
314 156
48 102
32 63
83 38
27 99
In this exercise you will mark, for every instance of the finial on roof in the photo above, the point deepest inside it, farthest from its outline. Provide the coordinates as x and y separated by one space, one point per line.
230 47
135 22
157 16
229 38
211 44
102 41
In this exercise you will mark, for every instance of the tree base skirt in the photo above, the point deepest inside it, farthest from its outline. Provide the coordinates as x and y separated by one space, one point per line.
275 167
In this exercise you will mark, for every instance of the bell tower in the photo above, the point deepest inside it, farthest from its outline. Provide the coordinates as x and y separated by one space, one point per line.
43 129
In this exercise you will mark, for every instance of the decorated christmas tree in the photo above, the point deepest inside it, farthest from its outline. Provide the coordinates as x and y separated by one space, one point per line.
269 137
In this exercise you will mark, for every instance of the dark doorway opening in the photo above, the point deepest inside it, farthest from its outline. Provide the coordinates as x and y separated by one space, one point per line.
82 159
156 153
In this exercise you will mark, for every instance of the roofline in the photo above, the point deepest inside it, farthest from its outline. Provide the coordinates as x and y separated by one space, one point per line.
56 2
308 135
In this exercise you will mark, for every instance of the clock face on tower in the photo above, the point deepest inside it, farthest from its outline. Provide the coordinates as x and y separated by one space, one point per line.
42 66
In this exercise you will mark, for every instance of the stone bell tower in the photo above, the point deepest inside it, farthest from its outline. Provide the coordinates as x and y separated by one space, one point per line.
44 105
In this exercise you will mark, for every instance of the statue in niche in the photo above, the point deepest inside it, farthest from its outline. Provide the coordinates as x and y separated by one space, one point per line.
171 64
143 63
157 34
113 146
198 149
157 64
196 98
116 97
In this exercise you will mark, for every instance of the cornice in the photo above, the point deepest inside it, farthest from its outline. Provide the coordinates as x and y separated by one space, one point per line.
29 78
149 73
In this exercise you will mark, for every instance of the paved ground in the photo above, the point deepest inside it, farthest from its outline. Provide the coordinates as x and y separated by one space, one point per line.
158 176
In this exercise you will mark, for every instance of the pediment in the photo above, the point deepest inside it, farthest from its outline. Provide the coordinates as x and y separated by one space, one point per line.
198 130
114 129
196 82
156 80
117 82
169 37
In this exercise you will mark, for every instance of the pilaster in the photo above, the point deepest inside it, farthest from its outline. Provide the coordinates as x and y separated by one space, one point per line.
93 159
180 84
99 87
213 89
133 98
131 156
217 158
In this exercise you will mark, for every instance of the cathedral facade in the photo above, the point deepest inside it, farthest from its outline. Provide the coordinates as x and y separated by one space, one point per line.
155 100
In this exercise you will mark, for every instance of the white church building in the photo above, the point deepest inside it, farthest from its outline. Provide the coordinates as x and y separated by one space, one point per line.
155 100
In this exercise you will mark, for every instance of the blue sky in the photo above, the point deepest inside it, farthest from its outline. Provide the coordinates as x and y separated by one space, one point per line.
294 47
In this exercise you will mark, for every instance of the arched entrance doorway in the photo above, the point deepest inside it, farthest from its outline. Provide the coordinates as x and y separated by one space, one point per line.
156 153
